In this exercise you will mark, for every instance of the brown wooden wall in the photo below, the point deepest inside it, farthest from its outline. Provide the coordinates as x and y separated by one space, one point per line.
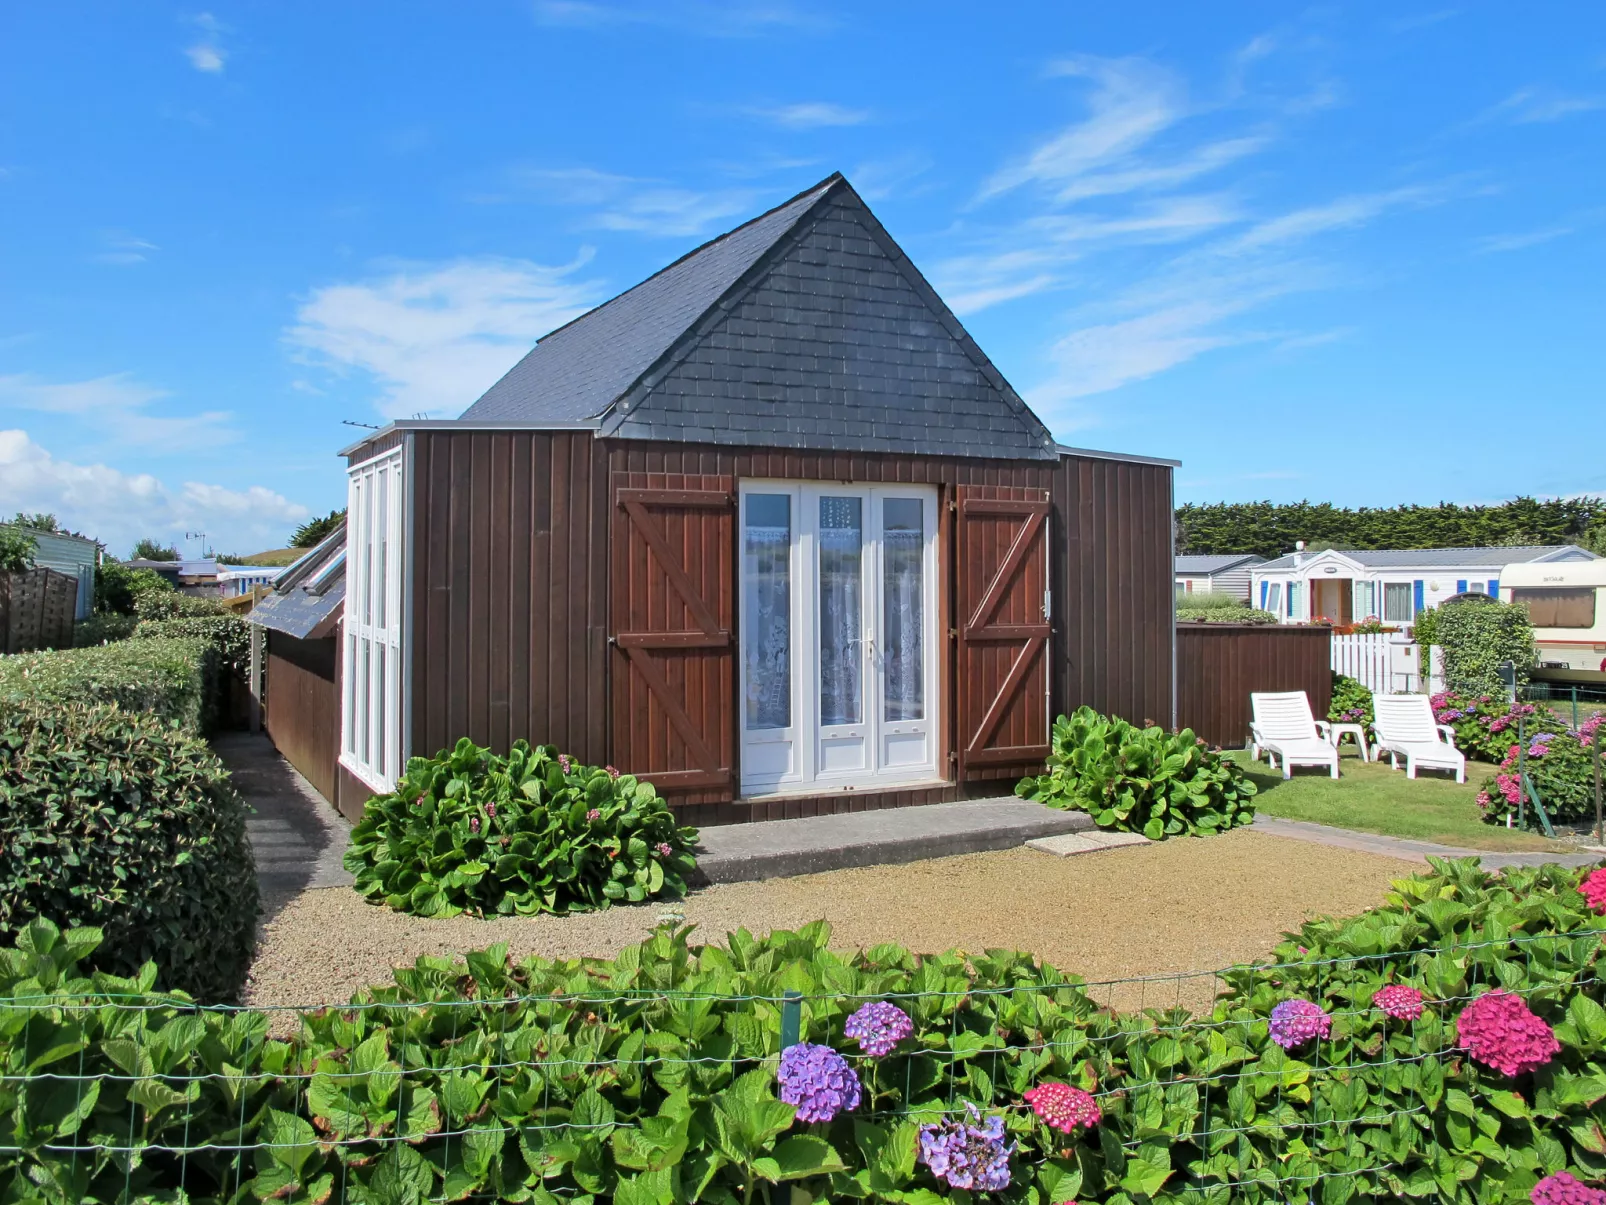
301 712
1219 664
511 557
1114 588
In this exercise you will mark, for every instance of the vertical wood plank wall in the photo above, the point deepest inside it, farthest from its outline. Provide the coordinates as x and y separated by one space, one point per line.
1219 664
510 565
302 716
1114 588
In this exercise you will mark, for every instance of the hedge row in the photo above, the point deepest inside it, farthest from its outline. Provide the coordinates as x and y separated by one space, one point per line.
171 678
656 1078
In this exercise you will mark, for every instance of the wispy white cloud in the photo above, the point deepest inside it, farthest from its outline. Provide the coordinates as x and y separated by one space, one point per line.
122 249
1341 213
878 179
811 115
434 337
644 206
1147 176
1494 243
1409 24
118 508
117 408
206 53
1528 106
1132 101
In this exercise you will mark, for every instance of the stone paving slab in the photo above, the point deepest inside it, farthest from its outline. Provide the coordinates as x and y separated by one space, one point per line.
1407 850
1085 843
297 837
734 853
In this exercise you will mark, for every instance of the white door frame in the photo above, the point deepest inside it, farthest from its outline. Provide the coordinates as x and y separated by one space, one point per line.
791 760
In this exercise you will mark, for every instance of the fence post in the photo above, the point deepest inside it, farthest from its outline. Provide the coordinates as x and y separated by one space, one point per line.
791 1019
254 681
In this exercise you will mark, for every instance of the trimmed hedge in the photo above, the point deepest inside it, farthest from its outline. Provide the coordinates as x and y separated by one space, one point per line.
1140 780
103 627
229 635
171 679
1476 638
119 820
650 1079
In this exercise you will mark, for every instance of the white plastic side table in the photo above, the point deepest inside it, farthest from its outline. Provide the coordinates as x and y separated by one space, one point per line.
1355 730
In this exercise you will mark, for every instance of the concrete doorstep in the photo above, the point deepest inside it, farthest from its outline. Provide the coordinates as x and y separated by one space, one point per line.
773 849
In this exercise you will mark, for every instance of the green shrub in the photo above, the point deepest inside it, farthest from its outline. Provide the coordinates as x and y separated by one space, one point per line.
1211 600
1559 763
229 636
118 820
1486 726
1352 702
1224 615
1142 780
17 550
118 588
170 604
651 1078
102 627
166 678
531 832
1477 638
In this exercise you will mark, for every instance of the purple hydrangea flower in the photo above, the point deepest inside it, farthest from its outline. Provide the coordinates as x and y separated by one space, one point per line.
879 1027
1295 1022
818 1081
965 1154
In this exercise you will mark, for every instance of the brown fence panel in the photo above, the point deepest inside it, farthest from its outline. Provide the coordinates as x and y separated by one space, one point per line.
302 708
36 610
1220 664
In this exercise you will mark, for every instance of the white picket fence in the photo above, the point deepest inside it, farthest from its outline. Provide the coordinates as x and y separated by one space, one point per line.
1380 662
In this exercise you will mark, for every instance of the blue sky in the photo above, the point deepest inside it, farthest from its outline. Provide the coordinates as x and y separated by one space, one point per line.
1351 253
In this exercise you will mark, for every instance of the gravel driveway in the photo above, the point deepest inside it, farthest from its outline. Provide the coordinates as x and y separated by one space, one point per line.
1171 909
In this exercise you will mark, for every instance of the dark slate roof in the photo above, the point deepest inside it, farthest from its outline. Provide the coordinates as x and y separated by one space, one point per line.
308 592
806 328
1202 563
578 370
1445 558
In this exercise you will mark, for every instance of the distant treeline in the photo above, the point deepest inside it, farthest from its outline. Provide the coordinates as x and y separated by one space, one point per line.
1270 529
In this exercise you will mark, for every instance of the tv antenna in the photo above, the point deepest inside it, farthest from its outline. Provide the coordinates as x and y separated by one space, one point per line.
197 535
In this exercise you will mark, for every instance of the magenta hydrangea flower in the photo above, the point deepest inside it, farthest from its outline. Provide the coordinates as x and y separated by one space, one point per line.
1295 1022
1565 1189
1063 1107
969 1154
663 849
1400 1001
878 1027
818 1081
473 824
1594 889
610 771
564 763
594 815
1500 1031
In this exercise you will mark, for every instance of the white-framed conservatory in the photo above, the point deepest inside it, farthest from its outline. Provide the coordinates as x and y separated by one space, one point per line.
371 701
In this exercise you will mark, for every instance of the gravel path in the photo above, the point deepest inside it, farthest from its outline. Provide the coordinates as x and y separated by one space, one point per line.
1176 908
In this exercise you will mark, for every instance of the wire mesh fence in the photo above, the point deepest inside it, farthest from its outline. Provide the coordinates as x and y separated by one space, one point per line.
488 1081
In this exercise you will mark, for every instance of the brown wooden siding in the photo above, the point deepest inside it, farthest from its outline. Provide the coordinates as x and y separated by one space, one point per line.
509 591
1219 664
1114 588
376 446
511 564
301 713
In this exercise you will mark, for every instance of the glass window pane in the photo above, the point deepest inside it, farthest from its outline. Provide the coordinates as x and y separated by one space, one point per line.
1274 598
1293 599
1397 602
380 537
767 583
841 619
904 602
381 709
1558 606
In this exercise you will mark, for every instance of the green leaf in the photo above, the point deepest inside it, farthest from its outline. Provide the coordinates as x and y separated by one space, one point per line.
1147 1169
798 1157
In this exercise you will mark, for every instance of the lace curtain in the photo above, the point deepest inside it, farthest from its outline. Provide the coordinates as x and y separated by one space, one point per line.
903 617
767 580
841 620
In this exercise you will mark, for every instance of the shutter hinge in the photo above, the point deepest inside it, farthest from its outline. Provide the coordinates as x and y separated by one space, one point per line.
953 633
952 504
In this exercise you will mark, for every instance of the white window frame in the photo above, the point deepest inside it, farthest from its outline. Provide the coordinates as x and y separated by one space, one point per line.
371 694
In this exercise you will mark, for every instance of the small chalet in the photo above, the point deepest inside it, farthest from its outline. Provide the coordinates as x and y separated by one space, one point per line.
769 530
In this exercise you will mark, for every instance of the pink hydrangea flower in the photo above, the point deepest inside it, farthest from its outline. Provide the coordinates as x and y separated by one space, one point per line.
663 849
1295 1022
564 763
611 771
1564 1189
1063 1107
1399 1001
1594 889
1500 1031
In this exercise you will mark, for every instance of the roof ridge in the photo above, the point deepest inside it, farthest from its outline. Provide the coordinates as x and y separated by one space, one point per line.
831 180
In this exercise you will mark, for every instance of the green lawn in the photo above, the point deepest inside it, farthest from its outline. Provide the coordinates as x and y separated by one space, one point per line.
1373 798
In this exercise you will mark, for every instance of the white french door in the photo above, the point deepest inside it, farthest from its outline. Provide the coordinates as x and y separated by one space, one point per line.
839 638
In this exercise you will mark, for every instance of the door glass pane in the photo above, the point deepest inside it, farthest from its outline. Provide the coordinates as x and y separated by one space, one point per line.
841 619
381 532
767 581
904 600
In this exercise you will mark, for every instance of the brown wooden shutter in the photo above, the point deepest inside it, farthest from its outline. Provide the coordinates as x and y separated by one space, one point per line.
673 607
1001 540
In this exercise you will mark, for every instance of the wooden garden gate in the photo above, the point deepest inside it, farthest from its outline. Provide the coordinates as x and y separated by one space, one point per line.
1001 668
673 631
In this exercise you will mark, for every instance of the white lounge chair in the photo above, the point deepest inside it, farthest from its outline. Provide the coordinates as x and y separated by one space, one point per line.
1405 728
1282 725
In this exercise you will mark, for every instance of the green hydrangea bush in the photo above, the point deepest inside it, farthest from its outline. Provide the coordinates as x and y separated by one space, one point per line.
1352 702
1358 1067
120 820
535 831
1143 780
